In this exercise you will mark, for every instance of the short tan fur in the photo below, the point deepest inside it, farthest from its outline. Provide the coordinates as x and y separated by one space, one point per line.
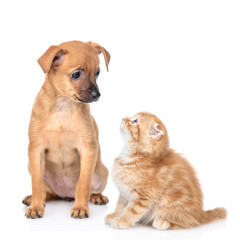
64 153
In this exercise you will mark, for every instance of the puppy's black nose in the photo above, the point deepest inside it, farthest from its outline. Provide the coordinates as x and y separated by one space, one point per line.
95 94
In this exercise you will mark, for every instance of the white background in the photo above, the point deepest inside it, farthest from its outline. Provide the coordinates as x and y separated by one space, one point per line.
177 59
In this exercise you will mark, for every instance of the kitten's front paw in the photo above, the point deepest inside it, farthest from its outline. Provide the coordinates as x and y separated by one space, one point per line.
120 223
109 218
161 224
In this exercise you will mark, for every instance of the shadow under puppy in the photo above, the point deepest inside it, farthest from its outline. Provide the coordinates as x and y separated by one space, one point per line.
64 152
156 185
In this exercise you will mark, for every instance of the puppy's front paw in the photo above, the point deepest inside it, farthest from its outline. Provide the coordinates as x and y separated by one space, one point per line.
34 212
80 212
119 222
108 219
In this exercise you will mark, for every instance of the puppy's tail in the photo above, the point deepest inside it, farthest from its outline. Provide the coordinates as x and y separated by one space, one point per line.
212 215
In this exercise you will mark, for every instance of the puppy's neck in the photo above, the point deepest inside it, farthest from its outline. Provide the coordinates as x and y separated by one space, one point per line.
63 104
49 88
50 99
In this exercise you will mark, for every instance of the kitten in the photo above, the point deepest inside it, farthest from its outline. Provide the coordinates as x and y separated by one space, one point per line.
156 184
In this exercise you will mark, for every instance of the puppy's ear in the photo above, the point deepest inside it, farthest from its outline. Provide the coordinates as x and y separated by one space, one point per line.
155 131
51 58
102 50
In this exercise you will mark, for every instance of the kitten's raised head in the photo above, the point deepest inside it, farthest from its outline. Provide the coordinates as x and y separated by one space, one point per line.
145 133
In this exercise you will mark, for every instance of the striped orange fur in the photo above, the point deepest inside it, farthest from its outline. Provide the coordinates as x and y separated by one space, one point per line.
157 185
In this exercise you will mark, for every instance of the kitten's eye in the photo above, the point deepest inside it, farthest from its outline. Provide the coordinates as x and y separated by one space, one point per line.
133 121
97 73
76 75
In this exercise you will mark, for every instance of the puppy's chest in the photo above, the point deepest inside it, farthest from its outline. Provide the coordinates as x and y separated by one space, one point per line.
60 131
63 116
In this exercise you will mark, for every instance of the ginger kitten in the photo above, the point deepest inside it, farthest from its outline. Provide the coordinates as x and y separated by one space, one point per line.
156 184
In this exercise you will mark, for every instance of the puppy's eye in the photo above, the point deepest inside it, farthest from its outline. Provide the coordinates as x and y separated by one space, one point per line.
76 75
97 73
134 121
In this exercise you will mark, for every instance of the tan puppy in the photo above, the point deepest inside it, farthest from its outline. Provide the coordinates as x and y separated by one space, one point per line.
64 153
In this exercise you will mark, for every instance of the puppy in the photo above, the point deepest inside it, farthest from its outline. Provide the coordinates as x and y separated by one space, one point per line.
64 153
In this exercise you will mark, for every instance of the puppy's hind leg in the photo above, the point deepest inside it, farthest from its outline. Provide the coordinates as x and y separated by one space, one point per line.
99 182
27 200
99 179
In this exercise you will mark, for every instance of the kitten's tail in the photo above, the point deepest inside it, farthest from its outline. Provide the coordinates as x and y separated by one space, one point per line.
212 215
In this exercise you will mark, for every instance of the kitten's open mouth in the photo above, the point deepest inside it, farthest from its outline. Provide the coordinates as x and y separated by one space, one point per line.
80 100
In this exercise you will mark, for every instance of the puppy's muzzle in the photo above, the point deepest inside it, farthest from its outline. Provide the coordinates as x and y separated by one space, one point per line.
89 95
95 95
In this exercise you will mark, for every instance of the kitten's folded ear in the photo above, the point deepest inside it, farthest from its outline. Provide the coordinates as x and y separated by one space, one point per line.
155 131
